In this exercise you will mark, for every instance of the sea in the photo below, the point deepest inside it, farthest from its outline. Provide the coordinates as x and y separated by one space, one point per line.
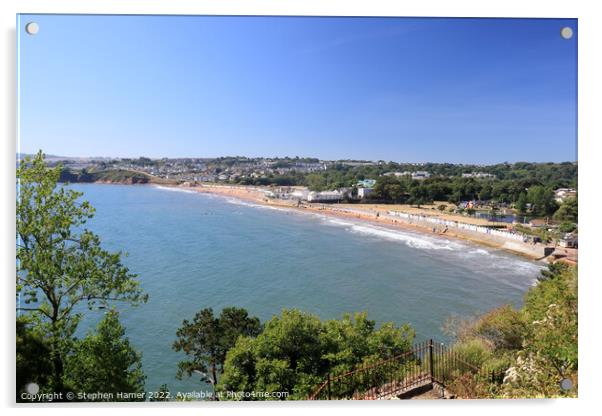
192 251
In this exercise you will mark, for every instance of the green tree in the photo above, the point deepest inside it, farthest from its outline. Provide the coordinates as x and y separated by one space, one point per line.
233 323
419 195
567 227
521 203
389 188
542 200
296 351
104 361
568 211
553 271
316 182
32 358
61 264
485 192
206 340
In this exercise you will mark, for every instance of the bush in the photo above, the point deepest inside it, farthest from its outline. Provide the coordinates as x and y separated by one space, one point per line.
502 329
536 346
296 351
567 227
474 351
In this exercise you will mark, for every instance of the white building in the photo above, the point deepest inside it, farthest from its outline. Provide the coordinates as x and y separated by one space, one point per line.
325 196
301 194
421 174
569 241
364 192
479 175
561 194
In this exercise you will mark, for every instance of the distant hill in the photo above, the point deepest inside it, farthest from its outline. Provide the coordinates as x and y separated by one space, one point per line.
24 155
55 158
110 176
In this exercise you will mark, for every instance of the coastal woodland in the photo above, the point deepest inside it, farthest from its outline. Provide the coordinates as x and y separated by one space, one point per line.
63 272
527 187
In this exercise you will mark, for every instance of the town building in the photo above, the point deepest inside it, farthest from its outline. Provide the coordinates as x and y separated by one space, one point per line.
478 175
300 194
367 183
364 192
421 174
568 241
325 196
562 194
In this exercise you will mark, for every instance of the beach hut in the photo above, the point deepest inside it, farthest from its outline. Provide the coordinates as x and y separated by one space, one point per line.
568 241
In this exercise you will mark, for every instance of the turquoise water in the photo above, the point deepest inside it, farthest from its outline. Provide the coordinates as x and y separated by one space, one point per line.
194 251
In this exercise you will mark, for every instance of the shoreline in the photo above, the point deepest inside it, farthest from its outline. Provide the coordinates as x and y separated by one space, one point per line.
256 196
375 217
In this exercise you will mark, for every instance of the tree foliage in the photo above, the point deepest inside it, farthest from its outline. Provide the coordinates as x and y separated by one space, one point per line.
542 200
296 350
521 203
446 183
568 211
390 188
535 346
61 265
206 340
105 361
549 354
33 361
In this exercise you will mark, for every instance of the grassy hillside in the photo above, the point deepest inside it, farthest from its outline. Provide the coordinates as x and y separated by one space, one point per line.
110 176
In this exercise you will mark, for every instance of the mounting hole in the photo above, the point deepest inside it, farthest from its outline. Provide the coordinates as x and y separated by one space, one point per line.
32 388
566 384
32 28
566 32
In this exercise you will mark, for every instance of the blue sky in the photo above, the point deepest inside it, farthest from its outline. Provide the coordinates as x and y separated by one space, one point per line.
401 89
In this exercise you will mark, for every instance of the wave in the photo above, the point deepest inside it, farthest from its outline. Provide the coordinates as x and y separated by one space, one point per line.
480 251
235 201
480 258
409 239
495 259
226 198
339 222
172 189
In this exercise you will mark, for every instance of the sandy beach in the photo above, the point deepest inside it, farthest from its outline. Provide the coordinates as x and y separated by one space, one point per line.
376 214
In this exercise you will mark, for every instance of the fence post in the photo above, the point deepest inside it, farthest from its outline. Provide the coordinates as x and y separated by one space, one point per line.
328 387
431 360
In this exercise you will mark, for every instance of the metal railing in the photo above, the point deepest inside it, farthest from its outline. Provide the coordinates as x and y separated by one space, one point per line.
426 363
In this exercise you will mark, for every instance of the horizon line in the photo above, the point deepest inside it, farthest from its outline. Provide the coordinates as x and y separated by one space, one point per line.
64 157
